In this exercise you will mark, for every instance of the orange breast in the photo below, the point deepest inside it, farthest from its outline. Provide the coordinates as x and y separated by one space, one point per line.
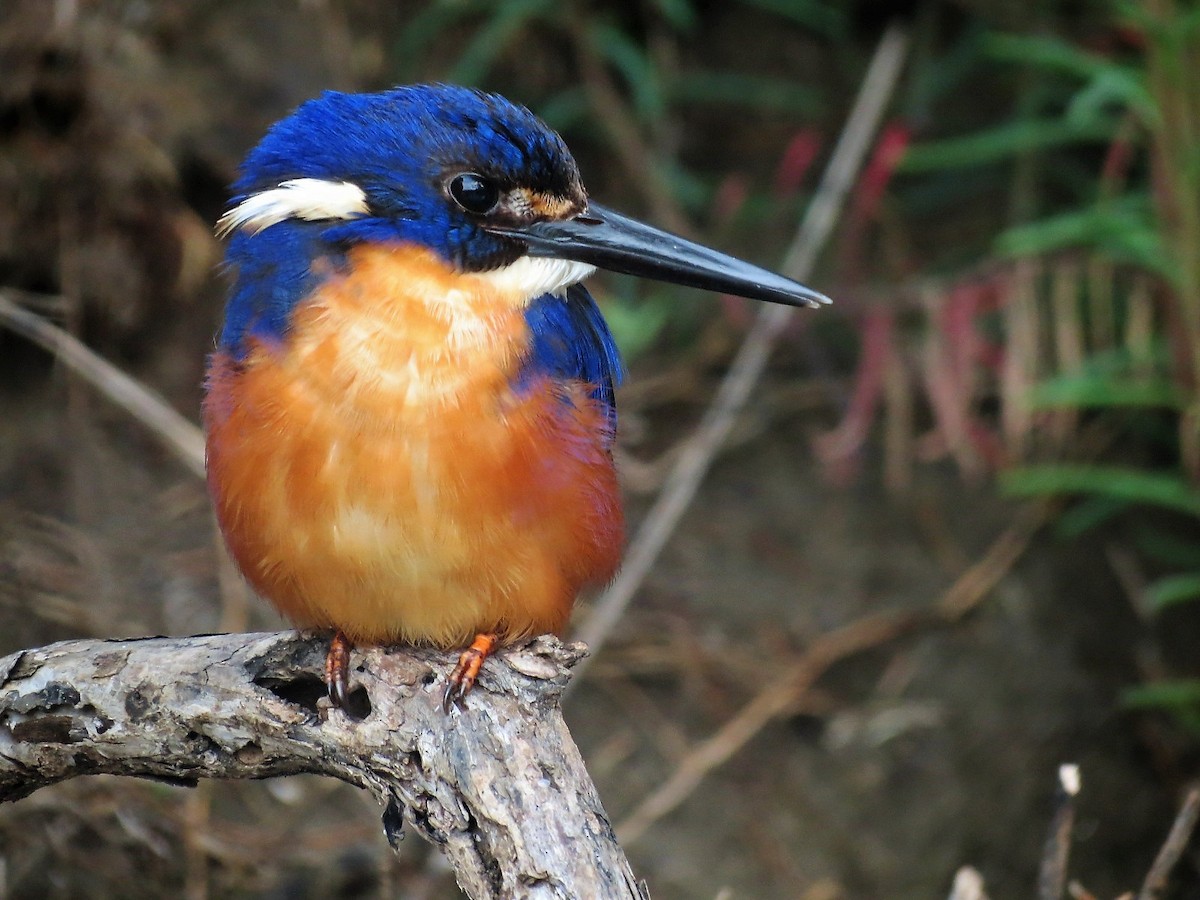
378 472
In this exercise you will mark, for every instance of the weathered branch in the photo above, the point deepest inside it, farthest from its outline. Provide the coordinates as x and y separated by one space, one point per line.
498 784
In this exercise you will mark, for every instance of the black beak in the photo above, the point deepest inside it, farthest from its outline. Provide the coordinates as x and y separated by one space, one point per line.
609 240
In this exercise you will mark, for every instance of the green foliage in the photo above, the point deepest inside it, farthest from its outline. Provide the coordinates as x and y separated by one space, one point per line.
1167 490
1180 692
1173 589
1002 142
636 325
748 91
1106 83
636 67
827 19
1142 212
496 26
1167 548
1116 378
501 28
1179 697
679 14
1124 229
1086 391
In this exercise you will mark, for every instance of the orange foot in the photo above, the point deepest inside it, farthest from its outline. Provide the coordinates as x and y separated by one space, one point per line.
462 679
337 670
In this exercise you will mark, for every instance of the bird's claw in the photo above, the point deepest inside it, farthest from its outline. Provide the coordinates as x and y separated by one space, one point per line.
465 673
456 690
337 671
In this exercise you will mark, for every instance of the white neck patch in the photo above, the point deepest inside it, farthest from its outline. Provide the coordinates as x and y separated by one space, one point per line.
299 198
529 277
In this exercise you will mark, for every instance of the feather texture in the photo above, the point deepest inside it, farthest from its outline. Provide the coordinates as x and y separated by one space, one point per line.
420 458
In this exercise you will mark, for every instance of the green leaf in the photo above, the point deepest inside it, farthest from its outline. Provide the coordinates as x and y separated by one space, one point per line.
1087 514
747 91
1047 53
1115 86
1173 589
1123 228
685 186
956 64
826 19
1107 80
1170 694
678 13
1178 26
426 27
1163 489
1003 141
493 38
565 109
1167 547
1088 390
635 326
636 68
1179 697
1120 378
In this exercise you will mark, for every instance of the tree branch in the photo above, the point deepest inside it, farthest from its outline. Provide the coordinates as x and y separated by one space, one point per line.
497 784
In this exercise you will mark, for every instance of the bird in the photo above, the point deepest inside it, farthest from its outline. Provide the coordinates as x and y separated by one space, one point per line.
410 409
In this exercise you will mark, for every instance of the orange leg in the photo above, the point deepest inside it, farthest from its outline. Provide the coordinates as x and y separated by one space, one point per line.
337 670
462 679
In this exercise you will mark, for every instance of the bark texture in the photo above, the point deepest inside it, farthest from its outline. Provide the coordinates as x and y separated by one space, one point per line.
497 783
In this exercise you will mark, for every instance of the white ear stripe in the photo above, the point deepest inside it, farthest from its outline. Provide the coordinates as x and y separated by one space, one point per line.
300 198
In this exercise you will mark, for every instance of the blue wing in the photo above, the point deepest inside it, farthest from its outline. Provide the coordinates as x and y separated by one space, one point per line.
274 271
571 340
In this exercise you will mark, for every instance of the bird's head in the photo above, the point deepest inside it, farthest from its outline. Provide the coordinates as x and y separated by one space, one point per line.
480 181
436 165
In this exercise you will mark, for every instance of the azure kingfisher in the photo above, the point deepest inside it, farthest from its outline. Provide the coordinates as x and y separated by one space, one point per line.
410 412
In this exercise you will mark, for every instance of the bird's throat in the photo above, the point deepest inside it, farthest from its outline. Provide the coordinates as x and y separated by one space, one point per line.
530 277
399 332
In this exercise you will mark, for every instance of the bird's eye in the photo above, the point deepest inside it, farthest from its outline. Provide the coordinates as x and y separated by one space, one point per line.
474 193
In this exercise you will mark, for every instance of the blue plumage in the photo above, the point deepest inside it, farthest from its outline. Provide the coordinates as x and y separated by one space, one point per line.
275 270
398 146
570 339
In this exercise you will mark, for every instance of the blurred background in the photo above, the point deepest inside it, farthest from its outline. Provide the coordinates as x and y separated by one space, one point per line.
960 513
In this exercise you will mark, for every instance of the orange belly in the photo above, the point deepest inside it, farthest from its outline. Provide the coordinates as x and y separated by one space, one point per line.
378 472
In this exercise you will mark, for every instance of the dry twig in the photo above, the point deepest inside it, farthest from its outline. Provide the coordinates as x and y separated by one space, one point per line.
498 785
1052 875
1176 842
776 698
862 634
182 437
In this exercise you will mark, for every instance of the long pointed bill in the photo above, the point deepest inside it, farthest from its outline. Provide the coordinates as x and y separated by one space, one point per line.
609 240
